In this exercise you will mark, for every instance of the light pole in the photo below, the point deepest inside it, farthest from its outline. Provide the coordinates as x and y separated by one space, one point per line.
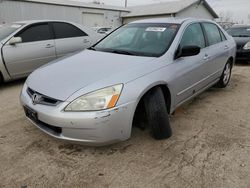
126 3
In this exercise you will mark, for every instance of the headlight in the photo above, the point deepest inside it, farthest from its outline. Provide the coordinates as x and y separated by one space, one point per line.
247 46
98 100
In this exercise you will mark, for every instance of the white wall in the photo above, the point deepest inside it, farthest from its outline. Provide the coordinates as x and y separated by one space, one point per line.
195 11
131 19
17 11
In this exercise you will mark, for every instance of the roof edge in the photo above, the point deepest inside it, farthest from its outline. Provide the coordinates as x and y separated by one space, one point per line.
76 4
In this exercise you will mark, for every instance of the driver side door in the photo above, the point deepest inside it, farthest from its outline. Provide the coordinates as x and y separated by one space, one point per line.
190 71
36 49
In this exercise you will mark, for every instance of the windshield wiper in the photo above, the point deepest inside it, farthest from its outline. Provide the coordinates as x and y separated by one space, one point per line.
121 52
92 48
241 36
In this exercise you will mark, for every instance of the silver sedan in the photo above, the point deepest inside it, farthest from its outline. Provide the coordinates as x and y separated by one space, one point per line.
137 75
27 45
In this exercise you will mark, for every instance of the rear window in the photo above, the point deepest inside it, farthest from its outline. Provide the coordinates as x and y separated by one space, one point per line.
239 32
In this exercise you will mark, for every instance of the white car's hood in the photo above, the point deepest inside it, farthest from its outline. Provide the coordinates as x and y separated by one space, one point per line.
61 79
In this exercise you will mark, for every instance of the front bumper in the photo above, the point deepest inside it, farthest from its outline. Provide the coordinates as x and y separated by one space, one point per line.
90 128
243 55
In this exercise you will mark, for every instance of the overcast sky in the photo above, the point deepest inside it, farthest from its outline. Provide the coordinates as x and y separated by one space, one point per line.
239 9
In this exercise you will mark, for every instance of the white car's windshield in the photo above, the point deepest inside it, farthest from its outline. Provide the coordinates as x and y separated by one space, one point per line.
239 32
139 39
6 30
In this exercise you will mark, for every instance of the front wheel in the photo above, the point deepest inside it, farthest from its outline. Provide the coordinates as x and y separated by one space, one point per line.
226 75
157 114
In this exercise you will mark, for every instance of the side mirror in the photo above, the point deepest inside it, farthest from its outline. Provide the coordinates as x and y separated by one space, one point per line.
187 51
15 40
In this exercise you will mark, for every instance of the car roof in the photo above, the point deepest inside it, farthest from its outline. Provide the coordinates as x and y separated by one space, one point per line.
174 20
240 26
38 21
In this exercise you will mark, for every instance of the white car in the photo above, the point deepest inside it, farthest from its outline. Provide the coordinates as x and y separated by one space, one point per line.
103 30
27 45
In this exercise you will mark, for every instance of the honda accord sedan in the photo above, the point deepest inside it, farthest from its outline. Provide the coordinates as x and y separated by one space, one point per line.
137 75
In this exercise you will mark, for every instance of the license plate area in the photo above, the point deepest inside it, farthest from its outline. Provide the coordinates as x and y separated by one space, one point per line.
30 113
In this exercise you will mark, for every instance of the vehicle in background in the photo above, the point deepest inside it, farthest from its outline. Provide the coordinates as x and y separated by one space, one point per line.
27 45
241 34
137 75
103 30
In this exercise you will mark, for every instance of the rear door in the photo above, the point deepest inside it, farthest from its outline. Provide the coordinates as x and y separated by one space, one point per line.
36 49
217 51
69 38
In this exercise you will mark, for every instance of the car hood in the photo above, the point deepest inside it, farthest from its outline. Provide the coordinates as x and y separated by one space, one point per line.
241 40
62 78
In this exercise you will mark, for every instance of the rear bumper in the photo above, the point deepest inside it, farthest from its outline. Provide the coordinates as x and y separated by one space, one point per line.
90 128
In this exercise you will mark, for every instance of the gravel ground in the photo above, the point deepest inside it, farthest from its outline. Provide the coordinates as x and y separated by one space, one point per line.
210 147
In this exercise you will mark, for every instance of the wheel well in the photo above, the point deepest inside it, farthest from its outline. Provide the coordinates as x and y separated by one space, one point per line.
231 59
140 109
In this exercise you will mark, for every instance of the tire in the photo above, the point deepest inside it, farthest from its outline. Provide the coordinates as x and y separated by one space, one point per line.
1 79
226 75
157 114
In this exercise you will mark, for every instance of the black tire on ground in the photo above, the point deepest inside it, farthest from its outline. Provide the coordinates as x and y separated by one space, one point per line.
1 79
226 75
157 114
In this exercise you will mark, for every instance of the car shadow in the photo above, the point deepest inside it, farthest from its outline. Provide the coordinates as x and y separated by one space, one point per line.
12 83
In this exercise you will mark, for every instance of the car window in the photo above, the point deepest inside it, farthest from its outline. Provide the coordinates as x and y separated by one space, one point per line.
35 33
193 36
213 34
65 30
239 32
6 30
140 39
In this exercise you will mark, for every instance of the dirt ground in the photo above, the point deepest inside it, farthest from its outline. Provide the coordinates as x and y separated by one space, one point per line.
210 147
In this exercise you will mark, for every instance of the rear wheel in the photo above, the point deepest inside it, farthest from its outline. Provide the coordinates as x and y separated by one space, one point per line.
226 75
157 114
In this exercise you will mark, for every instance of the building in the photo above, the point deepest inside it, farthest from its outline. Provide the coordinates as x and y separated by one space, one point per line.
99 15
78 12
178 8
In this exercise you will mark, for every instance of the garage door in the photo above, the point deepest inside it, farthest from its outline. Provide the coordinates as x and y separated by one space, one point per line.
93 19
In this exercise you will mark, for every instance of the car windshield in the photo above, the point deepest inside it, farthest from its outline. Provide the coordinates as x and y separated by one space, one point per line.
6 30
239 32
142 39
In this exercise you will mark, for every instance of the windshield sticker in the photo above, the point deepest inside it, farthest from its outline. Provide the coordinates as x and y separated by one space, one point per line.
15 26
156 29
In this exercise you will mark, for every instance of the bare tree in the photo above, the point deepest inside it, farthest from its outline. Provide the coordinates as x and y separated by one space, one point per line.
226 16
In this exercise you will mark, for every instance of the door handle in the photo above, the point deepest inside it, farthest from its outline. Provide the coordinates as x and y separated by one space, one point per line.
206 57
226 47
49 46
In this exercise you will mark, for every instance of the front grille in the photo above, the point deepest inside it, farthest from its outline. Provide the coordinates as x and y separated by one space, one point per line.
240 46
43 99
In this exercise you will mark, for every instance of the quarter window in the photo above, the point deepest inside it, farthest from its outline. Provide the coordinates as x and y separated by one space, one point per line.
36 33
193 36
213 33
65 30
